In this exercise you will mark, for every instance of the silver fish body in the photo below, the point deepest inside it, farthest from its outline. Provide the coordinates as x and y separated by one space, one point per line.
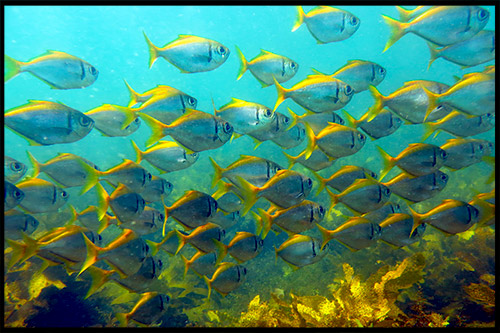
13 169
418 188
12 196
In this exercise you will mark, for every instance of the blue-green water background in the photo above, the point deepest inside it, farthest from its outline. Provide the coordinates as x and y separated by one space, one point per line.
111 39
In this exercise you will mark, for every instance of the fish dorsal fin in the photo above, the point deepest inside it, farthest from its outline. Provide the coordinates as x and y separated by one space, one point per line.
264 52
167 144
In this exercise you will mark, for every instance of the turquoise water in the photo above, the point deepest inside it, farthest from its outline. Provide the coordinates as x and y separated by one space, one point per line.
111 39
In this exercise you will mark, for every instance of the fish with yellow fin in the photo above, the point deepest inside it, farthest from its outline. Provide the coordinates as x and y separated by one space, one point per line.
125 204
397 230
246 116
16 223
128 173
13 170
460 125
12 196
300 250
166 156
157 190
202 238
317 161
291 138
317 121
190 54
113 120
226 278
41 196
243 247
465 152
344 177
418 188
356 233
150 307
385 123
201 263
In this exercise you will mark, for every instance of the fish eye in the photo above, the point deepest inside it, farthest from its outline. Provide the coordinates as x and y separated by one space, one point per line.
192 101
397 208
84 121
16 166
309 182
17 194
381 70
227 127
354 20
223 232
481 147
387 191
321 209
160 263
444 154
268 113
146 247
161 217
439 107
137 120
444 177
348 90
149 176
293 65
222 50
286 120
64 194
99 237
373 174
490 145
341 121
482 14
361 136
244 270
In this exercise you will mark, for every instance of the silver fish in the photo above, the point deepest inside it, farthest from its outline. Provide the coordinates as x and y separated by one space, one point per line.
420 188
41 196
397 230
16 223
13 169
12 195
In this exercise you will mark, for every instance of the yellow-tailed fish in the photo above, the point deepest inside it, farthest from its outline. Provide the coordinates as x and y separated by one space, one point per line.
485 204
190 54
295 219
12 196
317 93
169 243
227 200
147 223
418 188
128 173
380 214
246 116
267 65
125 204
344 177
89 218
243 247
157 190
335 140
201 263
13 170
202 238
317 161
16 223
465 152
359 74
363 196
195 131
125 254
114 120
278 127
291 138
255 170
441 25
144 278
166 156
468 53
417 159
357 233
224 219
460 125
58 69
285 189
165 106
450 216
397 230
385 123
411 102
150 307
191 210
327 24
226 278
406 15
41 196
317 121
137 98
300 250
474 94
68 170
48 123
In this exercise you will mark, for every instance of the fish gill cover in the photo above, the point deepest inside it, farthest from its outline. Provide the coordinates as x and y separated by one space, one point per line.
159 159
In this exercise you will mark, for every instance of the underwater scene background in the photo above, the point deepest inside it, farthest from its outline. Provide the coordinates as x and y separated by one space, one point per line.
439 281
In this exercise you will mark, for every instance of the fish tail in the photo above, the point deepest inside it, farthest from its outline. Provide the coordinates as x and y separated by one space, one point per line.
22 251
157 128
378 105
217 172
429 128
221 250
99 277
387 162
92 177
138 152
397 31
300 18
187 263
321 182
153 51
102 201
295 118
326 235
105 222
317 72
291 159
74 216
12 68
311 141
209 286
490 160
264 221
432 100
434 54
243 63
165 213
276 254
334 199
134 96
417 219
488 211
351 122
35 163
155 247
122 319
128 113
404 14
92 253
249 193
281 93
182 241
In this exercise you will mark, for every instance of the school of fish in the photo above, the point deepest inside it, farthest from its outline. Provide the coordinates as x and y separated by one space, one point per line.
129 196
